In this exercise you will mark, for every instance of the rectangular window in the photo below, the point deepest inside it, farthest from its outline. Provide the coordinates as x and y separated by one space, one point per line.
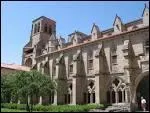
147 47
147 50
71 68
114 59
90 64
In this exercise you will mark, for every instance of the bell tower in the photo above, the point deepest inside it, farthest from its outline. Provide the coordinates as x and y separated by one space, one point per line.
42 29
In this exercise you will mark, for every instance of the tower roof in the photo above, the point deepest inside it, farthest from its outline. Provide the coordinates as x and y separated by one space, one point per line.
43 17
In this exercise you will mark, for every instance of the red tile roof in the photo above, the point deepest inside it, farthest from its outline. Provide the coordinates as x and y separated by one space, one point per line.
15 67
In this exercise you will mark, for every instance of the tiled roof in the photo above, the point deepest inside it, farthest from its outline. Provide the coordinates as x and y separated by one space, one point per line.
108 37
15 67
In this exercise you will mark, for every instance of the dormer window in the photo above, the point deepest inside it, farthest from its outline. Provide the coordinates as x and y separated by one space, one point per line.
118 27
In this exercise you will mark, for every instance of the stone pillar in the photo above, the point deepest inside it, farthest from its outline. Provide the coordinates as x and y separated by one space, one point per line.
116 95
100 91
110 97
126 97
59 96
40 100
77 90
91 98
122 96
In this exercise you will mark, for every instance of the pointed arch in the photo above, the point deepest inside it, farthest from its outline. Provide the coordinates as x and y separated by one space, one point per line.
46 68
28 62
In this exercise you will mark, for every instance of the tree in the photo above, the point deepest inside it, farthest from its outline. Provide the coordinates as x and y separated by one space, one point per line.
28 84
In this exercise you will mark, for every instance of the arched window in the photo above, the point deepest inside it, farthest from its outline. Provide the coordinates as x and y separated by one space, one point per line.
46 68
28 62
68 96
91 92
45 28
117 91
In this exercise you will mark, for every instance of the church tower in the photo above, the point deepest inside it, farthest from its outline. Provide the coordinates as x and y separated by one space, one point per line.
42 29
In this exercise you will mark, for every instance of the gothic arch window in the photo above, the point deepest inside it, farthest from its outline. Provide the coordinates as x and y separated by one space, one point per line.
90 60
117 91
28 62
91 92
46 68
45 28
68 96
38 27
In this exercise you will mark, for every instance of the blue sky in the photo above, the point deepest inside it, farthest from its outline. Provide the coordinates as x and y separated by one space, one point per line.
17 19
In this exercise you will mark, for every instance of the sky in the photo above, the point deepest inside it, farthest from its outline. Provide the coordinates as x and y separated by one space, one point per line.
17 16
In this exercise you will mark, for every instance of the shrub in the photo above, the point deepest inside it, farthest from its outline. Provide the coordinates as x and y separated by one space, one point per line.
54 108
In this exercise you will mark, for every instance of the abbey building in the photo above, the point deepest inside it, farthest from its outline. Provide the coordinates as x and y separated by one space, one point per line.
100 67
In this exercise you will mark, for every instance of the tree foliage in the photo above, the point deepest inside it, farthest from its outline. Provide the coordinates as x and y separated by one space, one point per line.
20 85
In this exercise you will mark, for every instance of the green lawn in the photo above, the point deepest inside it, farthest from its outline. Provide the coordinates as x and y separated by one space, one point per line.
13 107
11 110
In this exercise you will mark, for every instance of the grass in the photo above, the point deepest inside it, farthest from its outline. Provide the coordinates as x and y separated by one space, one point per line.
6 107
11 110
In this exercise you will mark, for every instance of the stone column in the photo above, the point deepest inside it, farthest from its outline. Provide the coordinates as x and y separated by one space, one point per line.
91 98
116 95
40 100
110 97
59 96
126 96
100 91
77 90
122 96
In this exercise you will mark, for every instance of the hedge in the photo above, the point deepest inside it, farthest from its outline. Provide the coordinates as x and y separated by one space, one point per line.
54 108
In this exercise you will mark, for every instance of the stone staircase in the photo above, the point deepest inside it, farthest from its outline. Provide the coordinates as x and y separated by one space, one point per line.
119 107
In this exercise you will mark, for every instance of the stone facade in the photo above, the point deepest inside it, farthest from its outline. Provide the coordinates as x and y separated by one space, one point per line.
102 67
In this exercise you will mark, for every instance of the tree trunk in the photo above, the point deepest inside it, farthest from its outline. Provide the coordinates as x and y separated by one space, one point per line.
27 107
31 103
